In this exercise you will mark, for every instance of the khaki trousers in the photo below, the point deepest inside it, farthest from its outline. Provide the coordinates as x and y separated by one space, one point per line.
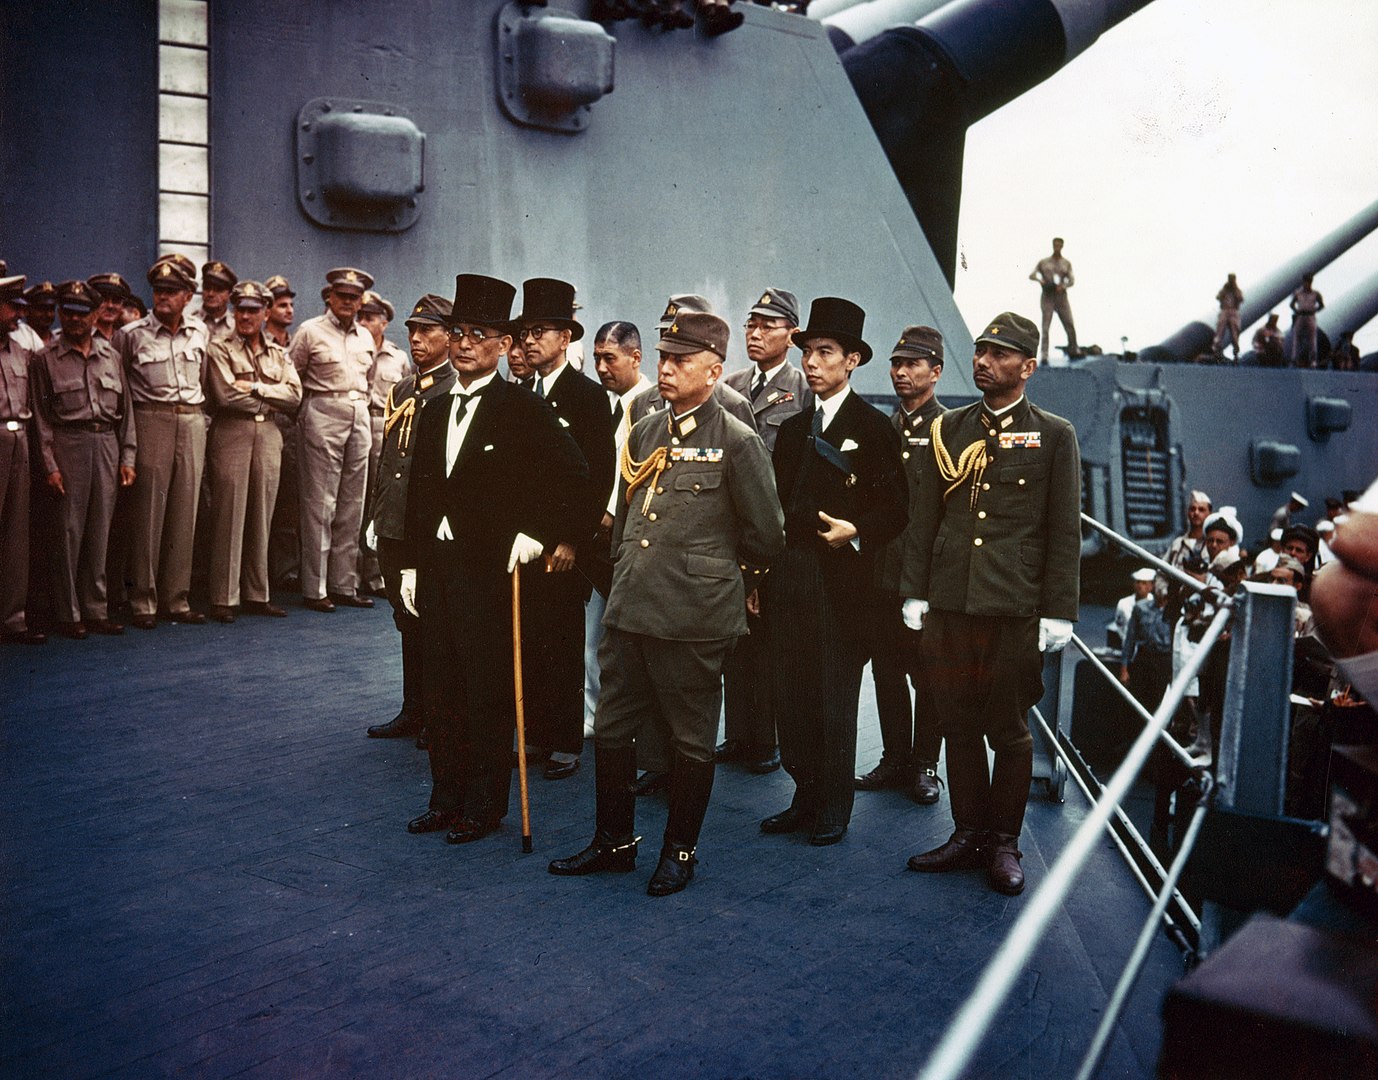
14 526
244 462
90 467
167 487
336 435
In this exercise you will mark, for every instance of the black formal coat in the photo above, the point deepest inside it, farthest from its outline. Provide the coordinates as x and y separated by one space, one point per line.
873 495
519 471
581 406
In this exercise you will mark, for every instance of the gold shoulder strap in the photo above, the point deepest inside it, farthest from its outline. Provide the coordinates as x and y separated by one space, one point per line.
972 462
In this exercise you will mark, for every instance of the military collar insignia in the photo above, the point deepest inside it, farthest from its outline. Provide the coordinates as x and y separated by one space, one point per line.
427 381
1006 421
688 426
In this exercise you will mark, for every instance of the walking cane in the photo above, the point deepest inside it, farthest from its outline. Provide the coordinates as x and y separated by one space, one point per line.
521 708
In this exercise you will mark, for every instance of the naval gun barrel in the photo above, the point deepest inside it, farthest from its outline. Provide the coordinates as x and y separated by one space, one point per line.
1351 311
923 85
861 22
1263 295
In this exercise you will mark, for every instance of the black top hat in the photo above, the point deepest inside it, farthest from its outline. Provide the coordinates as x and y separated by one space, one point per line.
482 301
549 300
839 319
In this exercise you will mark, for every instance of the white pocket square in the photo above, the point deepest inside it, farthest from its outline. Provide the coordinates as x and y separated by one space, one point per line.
564 422
488 447
848 444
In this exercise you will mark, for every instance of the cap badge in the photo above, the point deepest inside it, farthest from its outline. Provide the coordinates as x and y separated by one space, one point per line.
993 331
674 328
765 299
351 277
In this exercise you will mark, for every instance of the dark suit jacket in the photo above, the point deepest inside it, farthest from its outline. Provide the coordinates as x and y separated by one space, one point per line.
1015 549
873 496
387 506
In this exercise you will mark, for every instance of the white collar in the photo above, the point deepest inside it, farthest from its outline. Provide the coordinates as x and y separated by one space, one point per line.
1001 412
547 381
829 408
475 386
638 388
771 372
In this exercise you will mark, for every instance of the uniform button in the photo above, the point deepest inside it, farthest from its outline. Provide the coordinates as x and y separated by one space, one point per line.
696 487
992 431
1021 481
977 541
651 516
980 513
660 491
675 441
645 543
905 455
397 476
985 487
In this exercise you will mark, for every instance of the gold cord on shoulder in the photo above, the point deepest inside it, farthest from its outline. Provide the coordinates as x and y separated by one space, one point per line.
405 413
972 462
637 473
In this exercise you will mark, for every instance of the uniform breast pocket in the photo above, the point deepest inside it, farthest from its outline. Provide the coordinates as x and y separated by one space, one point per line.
17 378
240 368
698 482
70 391
154 370
1016 482
272 368
189 363
109 387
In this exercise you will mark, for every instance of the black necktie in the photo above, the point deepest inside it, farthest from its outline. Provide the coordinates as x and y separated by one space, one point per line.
617 412
758 385
817 428
540 391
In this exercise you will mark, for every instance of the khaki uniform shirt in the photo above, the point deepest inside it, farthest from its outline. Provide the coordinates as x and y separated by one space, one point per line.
14 379
332 359
1054 271
163 367
69 388
262 362
219 328
391 366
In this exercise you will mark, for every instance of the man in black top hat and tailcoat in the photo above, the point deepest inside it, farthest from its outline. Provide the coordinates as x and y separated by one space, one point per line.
494 483
843 488
556 587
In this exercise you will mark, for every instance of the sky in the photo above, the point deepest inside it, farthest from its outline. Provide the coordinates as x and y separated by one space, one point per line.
1195 139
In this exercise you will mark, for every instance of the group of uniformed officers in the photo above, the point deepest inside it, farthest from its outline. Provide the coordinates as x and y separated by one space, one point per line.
770 528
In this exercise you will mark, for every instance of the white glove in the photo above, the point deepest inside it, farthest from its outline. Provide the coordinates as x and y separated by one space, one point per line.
406 589
1053 634
371 537
913 612
524 550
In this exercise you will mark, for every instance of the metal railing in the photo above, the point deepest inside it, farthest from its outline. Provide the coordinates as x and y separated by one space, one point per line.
1256 612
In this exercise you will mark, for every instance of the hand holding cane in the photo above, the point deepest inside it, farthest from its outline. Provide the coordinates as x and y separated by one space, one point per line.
521 710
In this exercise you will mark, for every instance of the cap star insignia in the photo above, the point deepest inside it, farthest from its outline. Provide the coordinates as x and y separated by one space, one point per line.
993 331
674 328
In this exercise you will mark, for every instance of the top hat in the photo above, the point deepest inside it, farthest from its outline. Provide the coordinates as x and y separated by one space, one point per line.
836 318
482 301
549 300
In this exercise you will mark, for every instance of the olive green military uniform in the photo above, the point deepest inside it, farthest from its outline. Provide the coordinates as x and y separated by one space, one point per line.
244 461
999 503
15 414
390 367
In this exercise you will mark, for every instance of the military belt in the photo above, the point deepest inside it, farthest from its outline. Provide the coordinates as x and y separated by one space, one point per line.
169 407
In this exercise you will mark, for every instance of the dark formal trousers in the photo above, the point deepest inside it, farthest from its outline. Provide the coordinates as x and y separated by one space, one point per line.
553 658
983 675
748 712
908 726
408 625
468 699
817 622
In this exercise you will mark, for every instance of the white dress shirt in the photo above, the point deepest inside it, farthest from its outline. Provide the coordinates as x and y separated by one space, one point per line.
454 437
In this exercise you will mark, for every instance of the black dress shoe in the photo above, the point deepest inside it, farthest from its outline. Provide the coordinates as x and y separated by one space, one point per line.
793 819
603 856
926 785
823 835
263 607
433 821
888 774
106 627
343 600
24 637
187 618
558 770
1004 872
74 630
144 622
648 783
401 726
222 613
762 761
674 871
422 742
730 750
466 830
962 851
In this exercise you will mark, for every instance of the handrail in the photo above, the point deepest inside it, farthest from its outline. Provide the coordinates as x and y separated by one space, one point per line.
955 1050
1164 567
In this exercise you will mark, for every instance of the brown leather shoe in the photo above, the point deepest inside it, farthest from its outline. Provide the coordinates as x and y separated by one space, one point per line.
106 627
222 613
1004 872
23 637
74 630
144 622
962 851
926 785
324 604
263 607
187 618
345 600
